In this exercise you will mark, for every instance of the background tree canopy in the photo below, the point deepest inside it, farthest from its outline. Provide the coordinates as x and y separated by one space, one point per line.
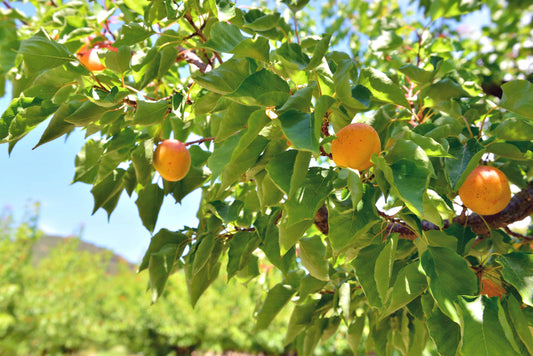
388 254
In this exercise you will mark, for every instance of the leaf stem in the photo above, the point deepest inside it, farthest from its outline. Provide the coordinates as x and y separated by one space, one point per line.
483 122
296 27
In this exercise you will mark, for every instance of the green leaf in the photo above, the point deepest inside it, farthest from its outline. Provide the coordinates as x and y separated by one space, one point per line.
515 129
224 37
466 159
309 285
205 245
227 212
519 323
299 128
416 74
313 257
518 98
267 191
449 8
288 170
383 267
292 56
428 144
107 192
150 112
281 168
199 280
302 316
276 299
235 119
355 333
485 330
135 5
57 126
160 267
445 333
226 78
256 48
242 160
353 98
263 23
118 61
149 203
142 161
319 52
87 113
311 337
15 108
132 33
158 242
241 247
449 278
347 228
269 234
40 52
365 268
517 269
409 284
443 91
411 171
263 88
382 87
295 5
289 234
309 196
300 100
87 162
355 185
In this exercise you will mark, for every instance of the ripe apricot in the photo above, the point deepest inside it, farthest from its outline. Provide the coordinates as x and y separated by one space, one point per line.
354 145
485 191
91 60
172 160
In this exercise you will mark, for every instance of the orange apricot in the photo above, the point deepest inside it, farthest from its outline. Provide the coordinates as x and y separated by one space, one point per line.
91 60
354 146
485 191
172 160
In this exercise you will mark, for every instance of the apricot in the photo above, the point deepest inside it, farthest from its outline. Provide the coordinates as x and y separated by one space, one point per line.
172 160
485 191
354 145
91 60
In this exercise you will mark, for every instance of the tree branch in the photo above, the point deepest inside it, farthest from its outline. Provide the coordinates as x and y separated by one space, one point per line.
192 58
520 207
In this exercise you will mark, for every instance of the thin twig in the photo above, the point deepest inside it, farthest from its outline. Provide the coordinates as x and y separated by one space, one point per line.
296 27
205 139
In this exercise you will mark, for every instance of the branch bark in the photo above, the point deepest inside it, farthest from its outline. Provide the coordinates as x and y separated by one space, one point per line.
192 58
520 207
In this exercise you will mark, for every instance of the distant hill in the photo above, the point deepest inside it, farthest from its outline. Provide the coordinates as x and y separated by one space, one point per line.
46 243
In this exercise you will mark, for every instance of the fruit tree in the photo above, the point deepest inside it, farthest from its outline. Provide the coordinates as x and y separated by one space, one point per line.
384 252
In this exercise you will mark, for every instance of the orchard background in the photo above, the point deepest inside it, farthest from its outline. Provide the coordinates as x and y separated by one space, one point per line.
387 257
